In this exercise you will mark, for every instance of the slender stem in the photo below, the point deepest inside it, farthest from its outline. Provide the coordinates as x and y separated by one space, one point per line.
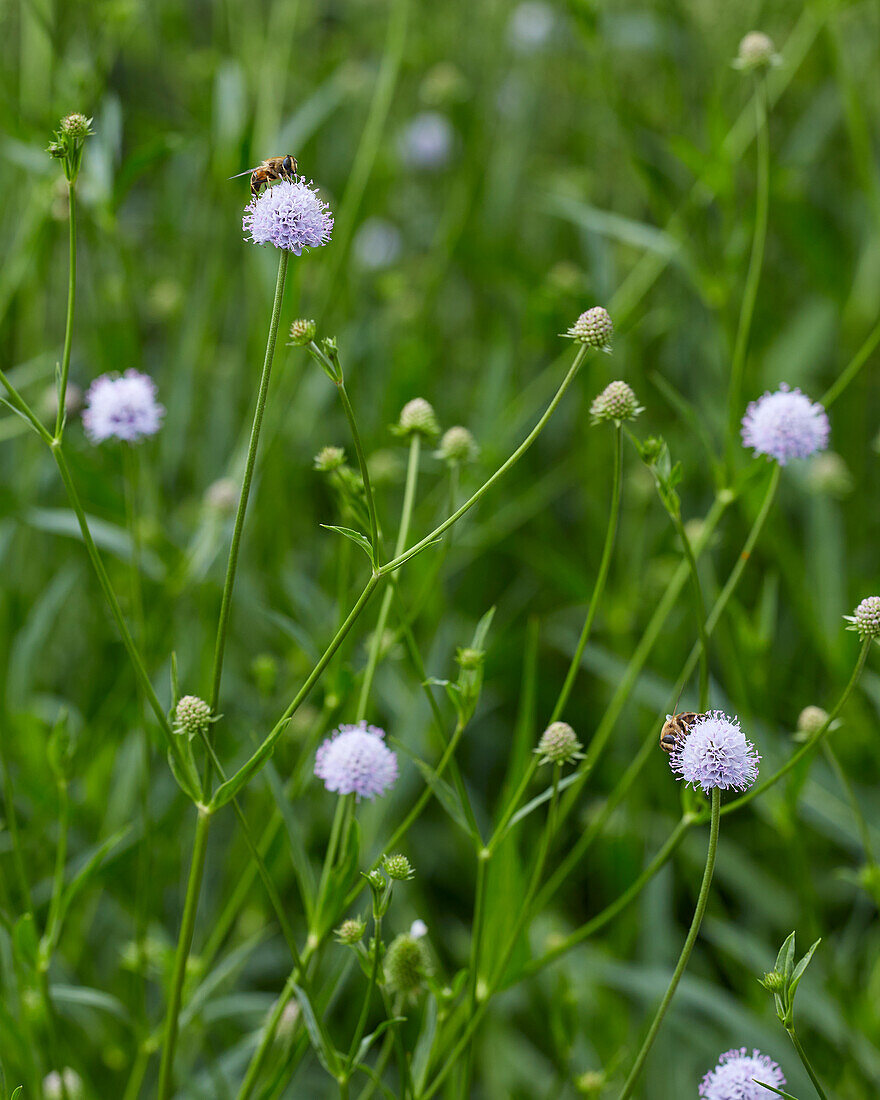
843 780
852 368
21 406
368 996
756 261
343 802
808 746
71 299
50 937
362 463
683 959
802 1054
700 609
184 943
409 495
232 564
601 577
396 562
14 834
483 858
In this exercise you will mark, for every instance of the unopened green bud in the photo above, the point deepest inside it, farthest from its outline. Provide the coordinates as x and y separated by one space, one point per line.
417 418
406 964
756 51
559 745
457 447
593 328
76 126
351 931
616 402
774 981
397 867
302 332
192 716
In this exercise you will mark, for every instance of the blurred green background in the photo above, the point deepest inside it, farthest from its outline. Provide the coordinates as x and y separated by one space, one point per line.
495 169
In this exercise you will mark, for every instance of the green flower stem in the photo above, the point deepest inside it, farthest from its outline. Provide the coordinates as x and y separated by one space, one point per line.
483 858
851 370
232 564
409 495
340 817
601 577
756 262
699 607
802 1054
808 746
610 911
475 1016
702 901
399 560
843 780
21 406
116 611
184 943
362 463
53 920
71 300
371 986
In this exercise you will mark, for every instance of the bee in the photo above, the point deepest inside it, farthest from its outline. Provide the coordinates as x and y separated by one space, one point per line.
273 168
676 729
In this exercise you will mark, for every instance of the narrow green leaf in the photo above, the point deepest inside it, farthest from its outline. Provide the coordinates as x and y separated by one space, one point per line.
24 941
798 972
368 1040
772 1088
319 1039
785 958
356 537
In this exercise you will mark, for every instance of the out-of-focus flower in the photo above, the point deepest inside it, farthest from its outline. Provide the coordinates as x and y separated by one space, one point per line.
407 963
616 402
785 425
443 84
732 1078
222 495
811 720
559 745
418 929
122 407
290 215
531 25
427 140
866 618
377 244
356 760
756 51
716 754
329 458
457 447
827 473
56 1085
417 417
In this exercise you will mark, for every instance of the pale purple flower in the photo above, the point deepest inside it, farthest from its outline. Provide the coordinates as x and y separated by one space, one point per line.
290 215
356 760
732 1078
122 406
785 425
716 754
426 141
531 25
377 244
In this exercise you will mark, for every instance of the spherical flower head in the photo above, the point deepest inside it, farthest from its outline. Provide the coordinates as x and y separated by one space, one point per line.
418 929
593 328
397 867
756 51
122 407
417 417
866 618
457 447
811 719
407 963
732 1078
351 931
828 474
192 716
76 126
426 142
302 332
531 25
356 760
329 458
785 425
616 402
716 754
559 745
289 214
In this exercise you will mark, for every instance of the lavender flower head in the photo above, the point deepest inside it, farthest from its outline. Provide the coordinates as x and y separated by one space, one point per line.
785 425
716 754
122 406
732 1078
356 760
290 215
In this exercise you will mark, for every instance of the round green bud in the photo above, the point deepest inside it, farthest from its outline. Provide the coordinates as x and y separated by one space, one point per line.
351 931
469 659
329 458
302 332
866 618
774 981
457 447
616 402
76 126
417 418
406 964
56 149
811 720
756 51
558 745
593 328
590 1083
192 716
397 867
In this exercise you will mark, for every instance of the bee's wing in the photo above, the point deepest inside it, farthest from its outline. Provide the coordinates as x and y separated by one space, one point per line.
246 172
